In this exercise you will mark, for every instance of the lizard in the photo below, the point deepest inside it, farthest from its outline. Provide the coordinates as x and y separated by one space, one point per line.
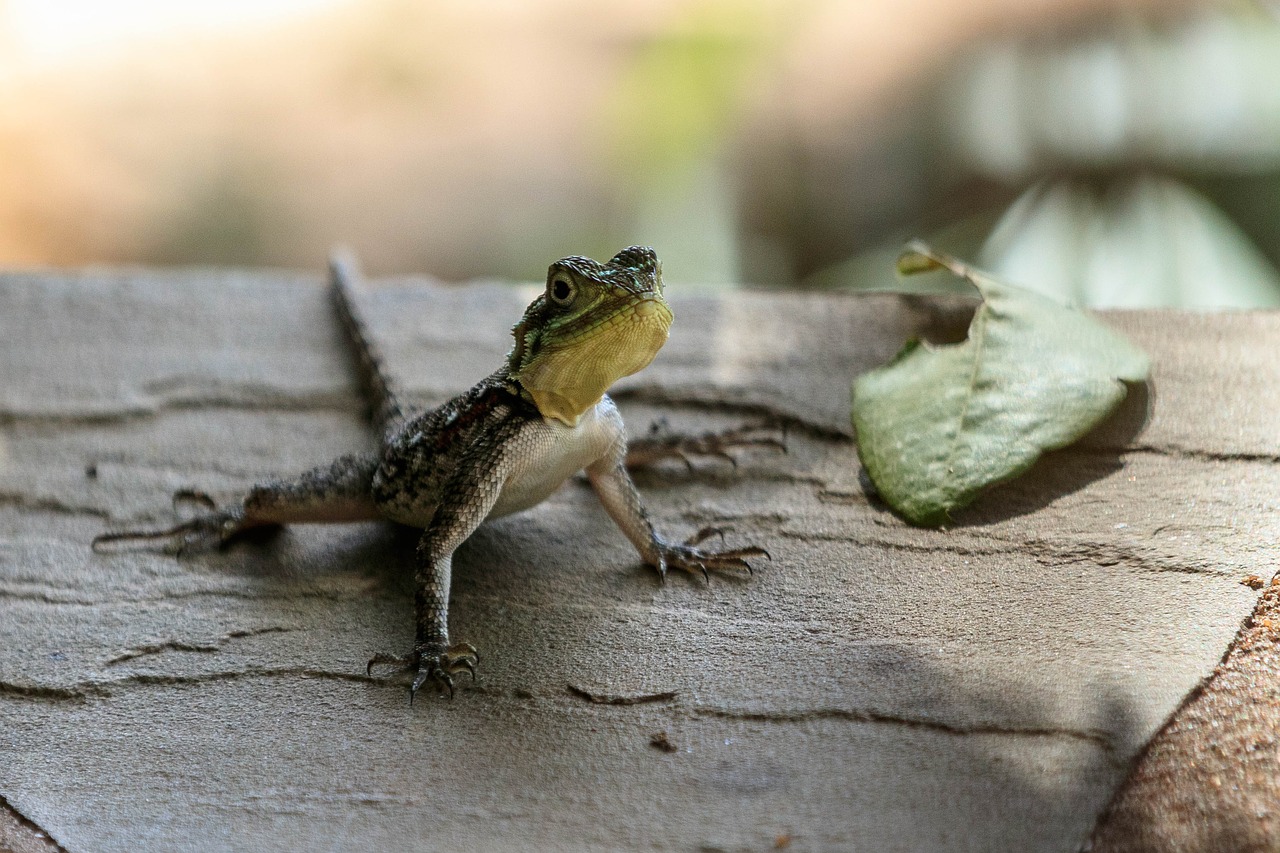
498 448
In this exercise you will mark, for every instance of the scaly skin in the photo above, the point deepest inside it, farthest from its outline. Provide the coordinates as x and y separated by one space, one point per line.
499 448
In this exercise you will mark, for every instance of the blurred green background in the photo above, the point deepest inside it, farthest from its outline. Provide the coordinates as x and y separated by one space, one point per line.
1106 153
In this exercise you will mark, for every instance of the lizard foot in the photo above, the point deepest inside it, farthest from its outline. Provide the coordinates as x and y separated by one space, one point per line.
689 558
661 444
426 665
216 527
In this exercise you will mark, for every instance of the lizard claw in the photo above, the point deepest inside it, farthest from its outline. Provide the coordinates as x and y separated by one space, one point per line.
194 496
218 526
434 673
696 561
214 527
383 659
661 568
440 667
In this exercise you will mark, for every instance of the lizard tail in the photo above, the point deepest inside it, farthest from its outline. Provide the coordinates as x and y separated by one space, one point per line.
384 404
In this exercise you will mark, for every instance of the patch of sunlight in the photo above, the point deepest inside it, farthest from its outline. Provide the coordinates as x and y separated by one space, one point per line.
1141 242
38 34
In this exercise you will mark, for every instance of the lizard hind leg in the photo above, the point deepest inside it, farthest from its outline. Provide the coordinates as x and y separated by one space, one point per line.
618 494
218 526
661 443
338 492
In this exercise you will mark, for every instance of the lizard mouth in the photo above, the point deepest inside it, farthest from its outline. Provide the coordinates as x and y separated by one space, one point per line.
566 382
650 324
653 309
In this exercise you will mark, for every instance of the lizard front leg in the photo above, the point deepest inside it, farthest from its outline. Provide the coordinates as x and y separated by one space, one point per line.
621 499
464 504
432 657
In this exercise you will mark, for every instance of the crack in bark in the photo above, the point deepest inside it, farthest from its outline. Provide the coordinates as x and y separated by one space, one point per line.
182 646
29 503
1103 554
85 690
215 396
727 522
1095 738
620 699
46 597
656 395
161 648
1107 554
38 692
1177 452
831 496
237 675
963 548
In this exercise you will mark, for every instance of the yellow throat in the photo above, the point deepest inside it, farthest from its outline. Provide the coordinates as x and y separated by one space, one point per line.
595 324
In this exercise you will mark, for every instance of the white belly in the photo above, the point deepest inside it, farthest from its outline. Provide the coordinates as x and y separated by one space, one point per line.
552 453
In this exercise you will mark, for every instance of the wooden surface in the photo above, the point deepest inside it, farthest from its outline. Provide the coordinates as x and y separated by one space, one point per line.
874 687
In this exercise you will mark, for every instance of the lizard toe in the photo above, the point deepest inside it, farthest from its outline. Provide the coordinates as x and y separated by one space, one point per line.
696 561
216 528
430 665
399 663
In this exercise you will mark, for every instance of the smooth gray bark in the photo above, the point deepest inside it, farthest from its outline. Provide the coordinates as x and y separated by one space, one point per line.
875 687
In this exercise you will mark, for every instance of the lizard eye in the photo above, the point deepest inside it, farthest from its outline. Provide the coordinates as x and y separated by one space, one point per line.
561 291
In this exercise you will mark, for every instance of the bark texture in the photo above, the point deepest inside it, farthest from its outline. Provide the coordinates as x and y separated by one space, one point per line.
876 686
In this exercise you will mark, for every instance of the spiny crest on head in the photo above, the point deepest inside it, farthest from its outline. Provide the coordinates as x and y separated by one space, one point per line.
639 260
526 333
635 268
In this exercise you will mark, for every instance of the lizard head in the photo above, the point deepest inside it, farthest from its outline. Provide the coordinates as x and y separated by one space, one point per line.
594 324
